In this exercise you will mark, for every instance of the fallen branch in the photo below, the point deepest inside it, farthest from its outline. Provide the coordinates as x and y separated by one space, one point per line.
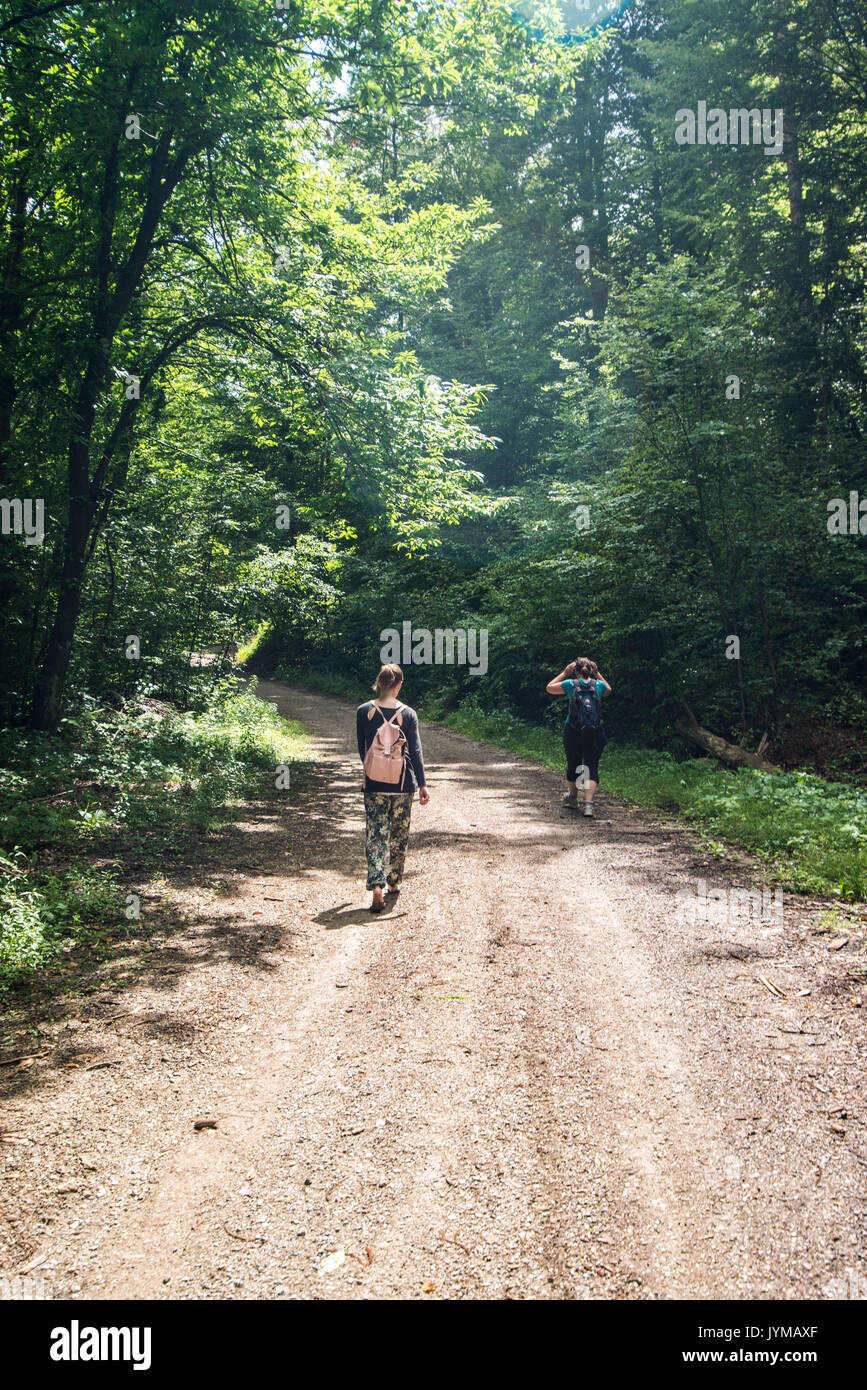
50 796
692 732
26 1057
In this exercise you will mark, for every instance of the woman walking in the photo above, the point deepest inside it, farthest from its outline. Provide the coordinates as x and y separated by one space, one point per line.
390 751
584 734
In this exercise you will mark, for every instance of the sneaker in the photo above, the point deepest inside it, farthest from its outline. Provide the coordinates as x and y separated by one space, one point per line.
588 809
570 800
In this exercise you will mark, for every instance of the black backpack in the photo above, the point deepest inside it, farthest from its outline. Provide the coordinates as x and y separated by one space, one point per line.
585 710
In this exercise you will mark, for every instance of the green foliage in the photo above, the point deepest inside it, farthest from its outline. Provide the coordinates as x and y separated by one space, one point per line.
23 920
113 777
207 311
329 682
612 385
137 766
248 649
377 381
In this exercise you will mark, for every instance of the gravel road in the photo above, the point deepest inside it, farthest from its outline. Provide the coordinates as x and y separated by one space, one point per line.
530 1078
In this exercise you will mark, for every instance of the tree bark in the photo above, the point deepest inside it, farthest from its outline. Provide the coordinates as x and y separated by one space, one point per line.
84 490
731 753
49 700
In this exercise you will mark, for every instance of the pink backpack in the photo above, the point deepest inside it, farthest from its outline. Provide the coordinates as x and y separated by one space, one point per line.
384 759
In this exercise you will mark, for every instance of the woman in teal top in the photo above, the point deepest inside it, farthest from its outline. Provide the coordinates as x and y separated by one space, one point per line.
584 734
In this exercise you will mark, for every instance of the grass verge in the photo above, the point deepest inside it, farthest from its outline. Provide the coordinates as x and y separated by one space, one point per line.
137 782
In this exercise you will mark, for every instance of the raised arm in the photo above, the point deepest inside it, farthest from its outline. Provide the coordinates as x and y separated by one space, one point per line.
555 686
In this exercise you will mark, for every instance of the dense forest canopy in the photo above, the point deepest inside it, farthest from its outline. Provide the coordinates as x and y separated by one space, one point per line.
321 318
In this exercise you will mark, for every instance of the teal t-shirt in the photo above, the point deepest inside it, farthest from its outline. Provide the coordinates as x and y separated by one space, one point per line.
569 686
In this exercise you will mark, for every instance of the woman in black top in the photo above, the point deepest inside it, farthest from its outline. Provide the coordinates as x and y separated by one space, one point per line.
388 806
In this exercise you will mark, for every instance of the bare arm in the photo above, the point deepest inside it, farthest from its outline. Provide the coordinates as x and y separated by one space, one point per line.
555 686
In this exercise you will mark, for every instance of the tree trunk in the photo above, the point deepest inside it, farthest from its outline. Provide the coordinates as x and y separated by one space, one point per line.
48 705
693 733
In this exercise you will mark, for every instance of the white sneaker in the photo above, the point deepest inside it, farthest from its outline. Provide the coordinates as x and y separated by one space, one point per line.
588 809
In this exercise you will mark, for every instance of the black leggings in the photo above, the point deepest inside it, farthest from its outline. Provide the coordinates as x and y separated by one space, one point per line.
583 749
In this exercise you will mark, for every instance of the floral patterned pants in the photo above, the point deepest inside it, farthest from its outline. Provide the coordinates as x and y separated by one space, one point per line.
387 832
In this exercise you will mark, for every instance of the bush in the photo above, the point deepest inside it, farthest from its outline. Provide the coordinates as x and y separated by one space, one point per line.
110 772
23 921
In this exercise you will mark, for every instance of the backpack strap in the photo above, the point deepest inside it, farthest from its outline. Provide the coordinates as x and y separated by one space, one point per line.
379 710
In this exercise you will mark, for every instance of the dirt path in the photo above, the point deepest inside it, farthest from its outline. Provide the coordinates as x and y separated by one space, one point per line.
529 1079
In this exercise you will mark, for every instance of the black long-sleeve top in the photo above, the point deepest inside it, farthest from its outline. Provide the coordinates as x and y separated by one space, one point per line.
368 718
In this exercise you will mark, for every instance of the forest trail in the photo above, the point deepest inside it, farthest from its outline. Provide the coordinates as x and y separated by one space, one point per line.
526 1079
